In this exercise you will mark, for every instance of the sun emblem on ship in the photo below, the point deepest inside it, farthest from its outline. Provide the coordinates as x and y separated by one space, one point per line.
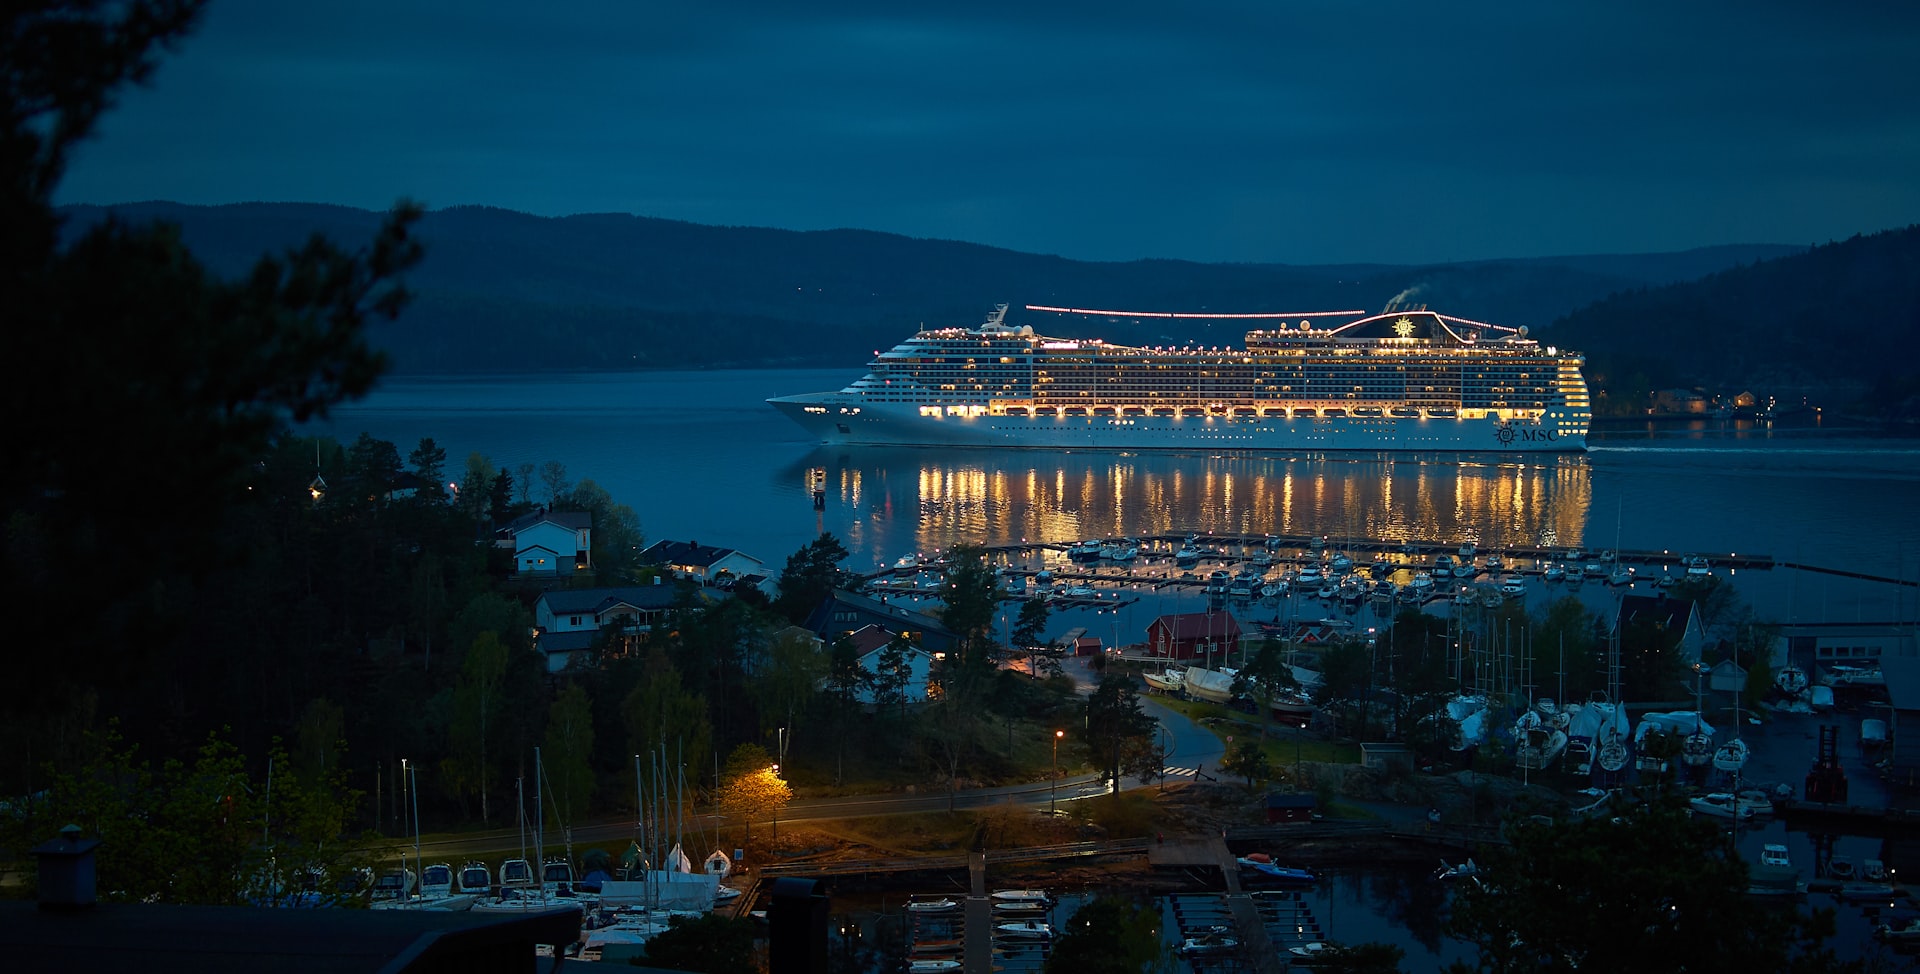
1404 327
1505 433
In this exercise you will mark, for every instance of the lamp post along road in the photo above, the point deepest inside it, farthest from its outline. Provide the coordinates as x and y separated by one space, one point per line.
1053 773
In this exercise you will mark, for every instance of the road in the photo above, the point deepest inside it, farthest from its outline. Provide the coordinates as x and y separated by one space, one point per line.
1191 748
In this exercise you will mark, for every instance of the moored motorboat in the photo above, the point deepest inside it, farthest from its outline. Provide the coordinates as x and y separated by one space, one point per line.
1720 805
1774 875
1038 896
1023 929
932 904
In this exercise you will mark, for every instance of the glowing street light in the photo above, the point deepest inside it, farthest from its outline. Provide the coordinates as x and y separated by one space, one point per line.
1053 773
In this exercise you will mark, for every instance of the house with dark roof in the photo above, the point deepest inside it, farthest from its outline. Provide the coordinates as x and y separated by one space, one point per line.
1675 617
1188 635
871 643
844 613
549 542
721 567
568 621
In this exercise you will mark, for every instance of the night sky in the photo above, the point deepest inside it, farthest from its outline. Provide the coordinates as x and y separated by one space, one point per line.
1394 131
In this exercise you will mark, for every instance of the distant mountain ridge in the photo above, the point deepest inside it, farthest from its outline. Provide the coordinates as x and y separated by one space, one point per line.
1837 323
505 291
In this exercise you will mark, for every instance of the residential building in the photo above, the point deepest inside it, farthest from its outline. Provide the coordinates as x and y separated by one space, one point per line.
871 643
706 564
1193 635
845 613
549 542
568 621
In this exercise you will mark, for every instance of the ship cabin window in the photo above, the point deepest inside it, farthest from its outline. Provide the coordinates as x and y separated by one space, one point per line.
1218 410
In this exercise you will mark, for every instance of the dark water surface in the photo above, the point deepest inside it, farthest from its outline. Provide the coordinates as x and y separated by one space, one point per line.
700 457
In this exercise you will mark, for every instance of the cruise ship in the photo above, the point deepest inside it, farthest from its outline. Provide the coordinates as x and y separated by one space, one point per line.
1403 380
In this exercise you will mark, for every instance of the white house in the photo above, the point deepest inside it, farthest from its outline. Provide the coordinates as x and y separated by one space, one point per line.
567 621
704 563
871 642
550 542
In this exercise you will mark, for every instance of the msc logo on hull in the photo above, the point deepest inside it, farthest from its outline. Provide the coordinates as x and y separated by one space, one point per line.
1508 434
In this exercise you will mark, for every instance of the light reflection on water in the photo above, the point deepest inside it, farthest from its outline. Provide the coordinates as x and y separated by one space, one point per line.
700 456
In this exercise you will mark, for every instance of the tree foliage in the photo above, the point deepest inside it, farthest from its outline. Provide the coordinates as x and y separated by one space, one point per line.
811 574
200 831
1121 740
709 943
1108 935
196 377
1643 889
750 785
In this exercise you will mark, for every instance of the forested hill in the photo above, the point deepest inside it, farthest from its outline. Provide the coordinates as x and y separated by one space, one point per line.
1838 322
502 291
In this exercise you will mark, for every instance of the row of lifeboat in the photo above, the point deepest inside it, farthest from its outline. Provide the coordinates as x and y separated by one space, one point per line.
1237 412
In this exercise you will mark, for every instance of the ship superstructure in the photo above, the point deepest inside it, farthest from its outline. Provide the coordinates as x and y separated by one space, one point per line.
1403 380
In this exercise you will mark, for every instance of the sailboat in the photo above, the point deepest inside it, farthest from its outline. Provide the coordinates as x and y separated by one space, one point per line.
533 896
397 889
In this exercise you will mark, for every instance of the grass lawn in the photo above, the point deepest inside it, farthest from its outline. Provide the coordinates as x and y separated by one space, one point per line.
1281 742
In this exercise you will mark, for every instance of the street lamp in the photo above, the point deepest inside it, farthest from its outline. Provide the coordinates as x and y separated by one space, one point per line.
1053 773
776 811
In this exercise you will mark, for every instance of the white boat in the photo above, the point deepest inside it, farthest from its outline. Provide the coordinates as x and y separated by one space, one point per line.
1187 556
1554 572
932 965
718 863
1538 744
932 904
1309 952
1309 577
1218 940
1720 805
1513 587
1443 566
1213 686
1696 566
1731 756
1340 565
1170 680
1465 870
1023 929
1791 681
1273 590
476 878
1217 582
1774 875
1035 896
1084 551
1422 583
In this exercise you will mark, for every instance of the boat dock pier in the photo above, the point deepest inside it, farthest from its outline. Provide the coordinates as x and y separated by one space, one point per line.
1256 950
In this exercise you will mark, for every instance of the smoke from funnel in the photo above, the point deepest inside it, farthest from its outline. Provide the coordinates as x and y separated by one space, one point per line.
1406 295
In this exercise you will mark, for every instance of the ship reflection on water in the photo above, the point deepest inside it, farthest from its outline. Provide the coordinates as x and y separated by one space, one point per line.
900 500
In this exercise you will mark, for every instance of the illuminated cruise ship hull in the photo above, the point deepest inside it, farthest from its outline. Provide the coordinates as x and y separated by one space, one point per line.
849 420
1410 381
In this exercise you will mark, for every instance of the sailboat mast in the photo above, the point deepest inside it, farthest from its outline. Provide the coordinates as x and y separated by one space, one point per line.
539 826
